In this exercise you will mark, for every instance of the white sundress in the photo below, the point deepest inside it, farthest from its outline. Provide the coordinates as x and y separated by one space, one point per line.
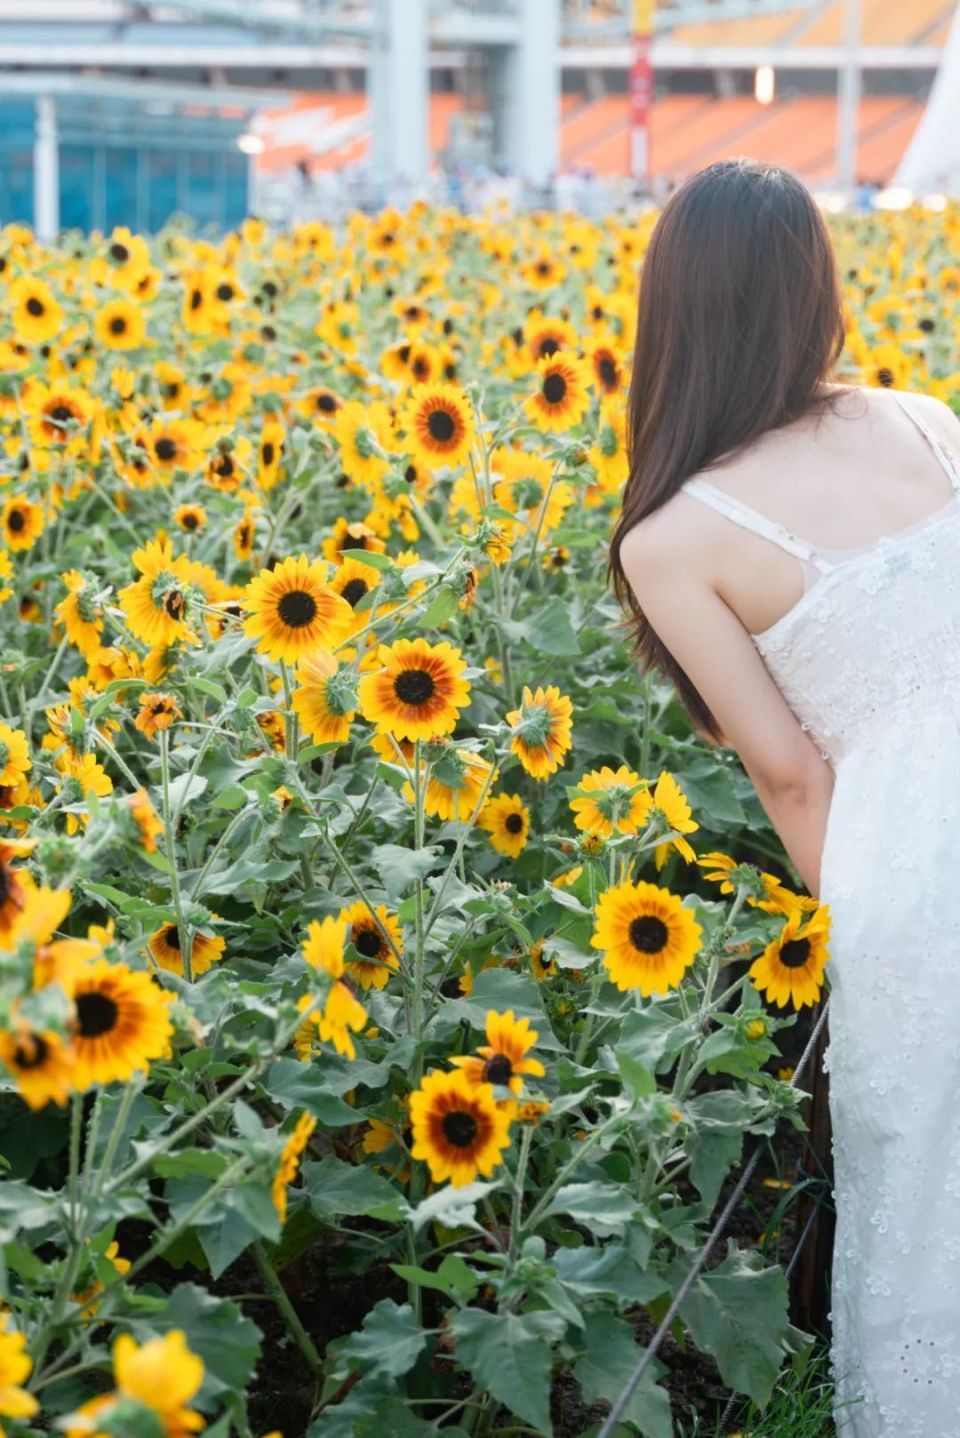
869 662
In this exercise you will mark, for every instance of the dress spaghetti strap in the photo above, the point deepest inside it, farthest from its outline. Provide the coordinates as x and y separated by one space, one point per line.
749 518
947 457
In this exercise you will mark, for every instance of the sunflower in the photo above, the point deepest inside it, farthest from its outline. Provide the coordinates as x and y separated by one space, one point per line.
22 523
607 369
502 1060
324 700
15 1368
353 581
121 1023
613 799
205 950
647 936
546 334
270 452
609 455
363 433
506 819
162 1375
289 1165
542 730
561 397
763 890
16 883
126 259
172 444
418 692
667 806
791 967
439 425
36 315
61 414
377 937
157 713
82 771
321 405
190 517
347 535
458 1128
544 271
40 1064
158 604
456 785
79 612
341 1013
293 611
148 821
15 761
526 484
120 325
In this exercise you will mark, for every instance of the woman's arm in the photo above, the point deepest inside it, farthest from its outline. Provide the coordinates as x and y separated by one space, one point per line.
793 782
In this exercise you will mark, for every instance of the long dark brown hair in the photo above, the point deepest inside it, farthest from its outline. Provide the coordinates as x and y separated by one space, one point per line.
739 323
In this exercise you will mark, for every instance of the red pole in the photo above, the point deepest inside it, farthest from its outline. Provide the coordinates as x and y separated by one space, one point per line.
641 89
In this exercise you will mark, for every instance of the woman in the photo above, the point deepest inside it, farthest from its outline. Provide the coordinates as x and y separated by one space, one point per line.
805 598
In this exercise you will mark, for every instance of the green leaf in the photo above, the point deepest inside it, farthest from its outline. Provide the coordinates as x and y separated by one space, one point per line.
453 1207
637 1078
336 1187
303 1085
441 607
604 1206
390 1341
549 629
738 1313
610 1270
454 1277
609 1360
216 1329
185 788
509 1355
368 556
655 1035
398 867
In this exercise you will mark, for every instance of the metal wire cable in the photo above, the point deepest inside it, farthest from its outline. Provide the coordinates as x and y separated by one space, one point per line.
630 1387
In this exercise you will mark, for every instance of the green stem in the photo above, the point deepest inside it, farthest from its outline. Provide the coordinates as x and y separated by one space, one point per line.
183 933
282 1299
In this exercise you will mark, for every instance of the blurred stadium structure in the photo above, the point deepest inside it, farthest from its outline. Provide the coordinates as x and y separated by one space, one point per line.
127 111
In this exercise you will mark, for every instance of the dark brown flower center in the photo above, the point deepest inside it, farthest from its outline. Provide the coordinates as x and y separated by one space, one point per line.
548 347
354 591
885 377
190 521
648 933
442 426
165 449
368 943
16 520
174 604
268 451
326 402
97 1014
118 325
171 937
514 823
224 291
459 1128
297 609
35 307
196 299
607 370
794 953
498 1070
119 252
31 1053
414 686
554 388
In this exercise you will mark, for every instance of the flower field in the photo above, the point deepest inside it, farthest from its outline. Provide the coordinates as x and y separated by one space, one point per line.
391 978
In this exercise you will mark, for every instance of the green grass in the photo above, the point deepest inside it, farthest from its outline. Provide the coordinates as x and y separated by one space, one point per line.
799 1408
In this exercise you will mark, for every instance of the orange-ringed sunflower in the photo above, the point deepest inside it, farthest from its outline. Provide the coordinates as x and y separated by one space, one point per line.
121 1023
561 397
542 730
504 1059
293 611
458 1128
378 940
418 692
205 950
506 820
648 938
439 425
40 1064
791 967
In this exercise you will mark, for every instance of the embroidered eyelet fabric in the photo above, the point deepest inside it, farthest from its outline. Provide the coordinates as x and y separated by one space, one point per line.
869 661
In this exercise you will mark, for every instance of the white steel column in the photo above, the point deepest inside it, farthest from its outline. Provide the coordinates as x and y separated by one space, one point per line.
46 172
399 90
848 97
531 93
